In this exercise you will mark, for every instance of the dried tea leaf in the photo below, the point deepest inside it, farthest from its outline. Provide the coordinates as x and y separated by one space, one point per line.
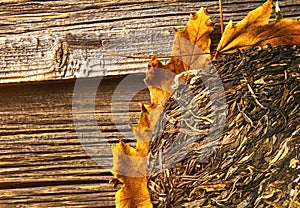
257 160
255 30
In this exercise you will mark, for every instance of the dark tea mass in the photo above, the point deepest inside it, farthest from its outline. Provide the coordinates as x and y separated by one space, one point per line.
254 161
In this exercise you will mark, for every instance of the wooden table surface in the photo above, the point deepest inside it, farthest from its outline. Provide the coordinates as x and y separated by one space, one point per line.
42 161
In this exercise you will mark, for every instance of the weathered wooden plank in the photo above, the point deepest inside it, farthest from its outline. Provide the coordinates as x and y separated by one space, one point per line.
80 195
42 160
44 40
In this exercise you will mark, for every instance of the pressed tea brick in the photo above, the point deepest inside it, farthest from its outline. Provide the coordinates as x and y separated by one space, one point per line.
250 166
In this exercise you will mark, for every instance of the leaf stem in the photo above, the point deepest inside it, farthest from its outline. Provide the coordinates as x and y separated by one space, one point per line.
221 16
152 56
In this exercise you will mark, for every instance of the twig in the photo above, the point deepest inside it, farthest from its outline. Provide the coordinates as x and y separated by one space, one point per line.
221 16
153 56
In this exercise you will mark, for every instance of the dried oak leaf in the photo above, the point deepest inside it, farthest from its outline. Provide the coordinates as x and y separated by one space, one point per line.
159 81
255 30
129 166
191 46
130 163
191 49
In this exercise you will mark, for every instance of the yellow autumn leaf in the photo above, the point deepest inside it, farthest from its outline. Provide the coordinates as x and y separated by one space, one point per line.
159 81
129 166
130 163
192 45
283 32
255 30
134 196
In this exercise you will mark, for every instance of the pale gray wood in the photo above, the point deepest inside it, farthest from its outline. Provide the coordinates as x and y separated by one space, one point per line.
44 40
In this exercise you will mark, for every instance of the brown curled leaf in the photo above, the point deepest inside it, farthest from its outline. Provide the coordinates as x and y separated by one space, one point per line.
255 30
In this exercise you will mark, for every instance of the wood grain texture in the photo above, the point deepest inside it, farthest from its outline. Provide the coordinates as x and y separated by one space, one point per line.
45 40
43 162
